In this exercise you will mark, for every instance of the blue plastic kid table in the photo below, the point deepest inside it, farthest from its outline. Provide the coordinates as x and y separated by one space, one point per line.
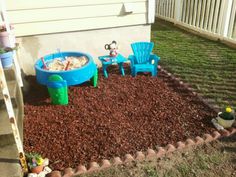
108 60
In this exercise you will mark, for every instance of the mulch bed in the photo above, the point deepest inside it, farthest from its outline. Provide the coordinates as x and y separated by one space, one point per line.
123 115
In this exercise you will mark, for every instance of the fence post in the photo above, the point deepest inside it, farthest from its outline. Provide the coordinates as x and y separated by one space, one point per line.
228 7
178 10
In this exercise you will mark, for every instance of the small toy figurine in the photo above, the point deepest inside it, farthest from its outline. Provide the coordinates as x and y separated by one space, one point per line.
112 48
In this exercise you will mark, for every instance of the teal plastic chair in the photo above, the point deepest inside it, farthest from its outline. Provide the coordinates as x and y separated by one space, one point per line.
143 60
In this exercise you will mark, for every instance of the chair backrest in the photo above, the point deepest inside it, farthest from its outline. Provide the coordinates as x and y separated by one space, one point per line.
142 51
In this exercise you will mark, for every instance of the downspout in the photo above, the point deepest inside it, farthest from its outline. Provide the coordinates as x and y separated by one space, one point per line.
151 11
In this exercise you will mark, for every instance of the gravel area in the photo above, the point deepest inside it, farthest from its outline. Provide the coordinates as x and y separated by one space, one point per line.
123 115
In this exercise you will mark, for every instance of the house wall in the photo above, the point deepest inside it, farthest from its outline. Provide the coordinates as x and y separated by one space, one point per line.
50 16
76 25
92 42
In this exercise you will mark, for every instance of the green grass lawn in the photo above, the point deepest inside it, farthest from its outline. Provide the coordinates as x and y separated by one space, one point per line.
208 66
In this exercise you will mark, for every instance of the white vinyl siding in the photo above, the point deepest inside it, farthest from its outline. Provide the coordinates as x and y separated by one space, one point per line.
50 16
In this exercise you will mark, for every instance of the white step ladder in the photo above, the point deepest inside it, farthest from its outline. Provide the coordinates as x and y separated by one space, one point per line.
5 91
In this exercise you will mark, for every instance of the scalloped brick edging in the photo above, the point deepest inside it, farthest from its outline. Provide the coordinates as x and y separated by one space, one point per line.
149 155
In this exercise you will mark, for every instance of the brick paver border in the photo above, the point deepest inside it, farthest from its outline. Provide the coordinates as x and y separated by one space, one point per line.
149 155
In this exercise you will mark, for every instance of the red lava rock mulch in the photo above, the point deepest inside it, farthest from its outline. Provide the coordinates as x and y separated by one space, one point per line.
123 115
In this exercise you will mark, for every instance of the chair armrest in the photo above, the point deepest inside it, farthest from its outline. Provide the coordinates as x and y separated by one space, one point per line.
131 58
155 58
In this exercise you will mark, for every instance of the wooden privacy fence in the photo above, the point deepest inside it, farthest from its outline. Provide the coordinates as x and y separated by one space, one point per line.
216 18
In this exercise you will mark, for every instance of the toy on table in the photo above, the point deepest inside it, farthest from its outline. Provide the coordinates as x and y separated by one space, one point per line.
112 48
224 119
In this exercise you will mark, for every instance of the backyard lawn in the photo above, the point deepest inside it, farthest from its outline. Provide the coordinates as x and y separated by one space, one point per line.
208 66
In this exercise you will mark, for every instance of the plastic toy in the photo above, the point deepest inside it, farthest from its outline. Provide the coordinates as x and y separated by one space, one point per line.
44 64
74 76
107 61
112 48
58 91
94 79
143 60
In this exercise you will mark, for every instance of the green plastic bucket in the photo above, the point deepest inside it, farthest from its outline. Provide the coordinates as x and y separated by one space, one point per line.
58 90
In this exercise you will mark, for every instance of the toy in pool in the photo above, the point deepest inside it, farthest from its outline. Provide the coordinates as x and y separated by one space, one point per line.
74 76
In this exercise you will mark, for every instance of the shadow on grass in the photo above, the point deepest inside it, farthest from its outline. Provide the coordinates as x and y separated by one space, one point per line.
5 160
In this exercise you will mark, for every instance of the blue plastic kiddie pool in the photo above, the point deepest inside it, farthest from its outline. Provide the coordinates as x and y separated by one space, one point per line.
73 77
